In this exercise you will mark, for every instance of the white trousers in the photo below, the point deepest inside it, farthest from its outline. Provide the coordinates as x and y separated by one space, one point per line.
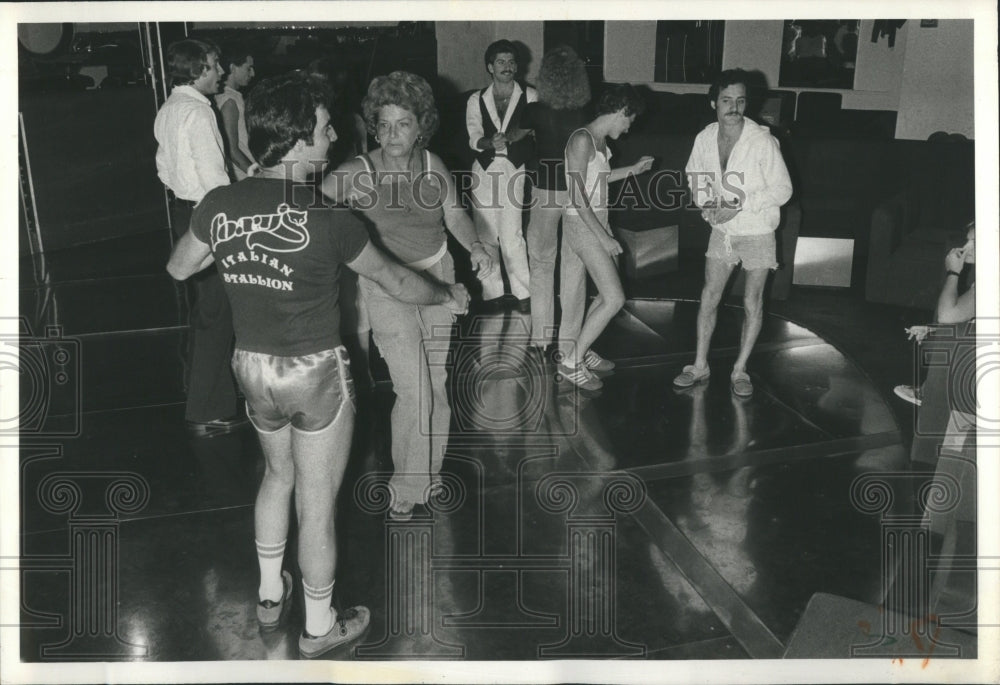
498 202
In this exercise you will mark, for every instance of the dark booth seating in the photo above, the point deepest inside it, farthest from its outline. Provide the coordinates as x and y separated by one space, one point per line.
911 228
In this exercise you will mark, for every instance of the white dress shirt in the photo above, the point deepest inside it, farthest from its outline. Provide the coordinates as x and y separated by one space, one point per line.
191 158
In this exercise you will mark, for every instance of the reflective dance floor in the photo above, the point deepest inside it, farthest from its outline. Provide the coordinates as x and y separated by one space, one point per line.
639 522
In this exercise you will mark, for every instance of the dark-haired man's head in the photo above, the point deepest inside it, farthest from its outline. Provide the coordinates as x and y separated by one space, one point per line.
501 61
287 114
729 96
727 78
237 58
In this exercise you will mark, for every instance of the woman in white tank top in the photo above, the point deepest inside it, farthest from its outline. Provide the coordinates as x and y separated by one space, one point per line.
588 246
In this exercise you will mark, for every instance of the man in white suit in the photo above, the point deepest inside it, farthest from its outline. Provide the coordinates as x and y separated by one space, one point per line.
492 116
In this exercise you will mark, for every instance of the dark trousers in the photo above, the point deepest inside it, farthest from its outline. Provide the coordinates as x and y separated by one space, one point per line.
211 390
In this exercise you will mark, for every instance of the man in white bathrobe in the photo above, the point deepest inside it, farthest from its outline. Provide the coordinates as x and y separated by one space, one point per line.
740 181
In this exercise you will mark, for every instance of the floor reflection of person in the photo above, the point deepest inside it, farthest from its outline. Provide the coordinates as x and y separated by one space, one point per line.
279 250
717 517
409 197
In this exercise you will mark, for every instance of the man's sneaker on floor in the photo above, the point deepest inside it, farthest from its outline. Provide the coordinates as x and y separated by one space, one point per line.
349 626
909 393
597 363
580 376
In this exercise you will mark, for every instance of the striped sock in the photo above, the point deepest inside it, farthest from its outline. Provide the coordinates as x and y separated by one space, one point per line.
319 614
269 557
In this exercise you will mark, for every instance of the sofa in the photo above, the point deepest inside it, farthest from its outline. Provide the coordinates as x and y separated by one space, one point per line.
912 228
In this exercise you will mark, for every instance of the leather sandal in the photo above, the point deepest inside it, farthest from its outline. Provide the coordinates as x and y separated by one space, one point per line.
741 385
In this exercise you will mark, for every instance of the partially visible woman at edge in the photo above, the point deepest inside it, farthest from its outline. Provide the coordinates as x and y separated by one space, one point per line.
408 195
953 307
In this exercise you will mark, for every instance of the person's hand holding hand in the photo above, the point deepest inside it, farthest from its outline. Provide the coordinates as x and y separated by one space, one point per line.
459 300
723 214
482 263
499 141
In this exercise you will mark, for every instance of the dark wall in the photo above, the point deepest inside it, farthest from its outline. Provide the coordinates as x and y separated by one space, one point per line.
92 156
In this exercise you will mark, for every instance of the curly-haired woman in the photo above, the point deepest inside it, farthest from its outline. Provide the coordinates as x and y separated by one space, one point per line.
407 194
563 92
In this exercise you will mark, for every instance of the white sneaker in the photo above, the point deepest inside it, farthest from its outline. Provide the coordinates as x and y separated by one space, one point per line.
597 363
349 626
579 376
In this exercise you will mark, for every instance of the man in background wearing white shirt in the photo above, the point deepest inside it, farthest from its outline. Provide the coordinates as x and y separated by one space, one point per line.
492 116
191 161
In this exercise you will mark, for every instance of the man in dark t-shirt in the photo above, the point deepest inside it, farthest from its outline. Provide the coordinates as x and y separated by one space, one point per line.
279 251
